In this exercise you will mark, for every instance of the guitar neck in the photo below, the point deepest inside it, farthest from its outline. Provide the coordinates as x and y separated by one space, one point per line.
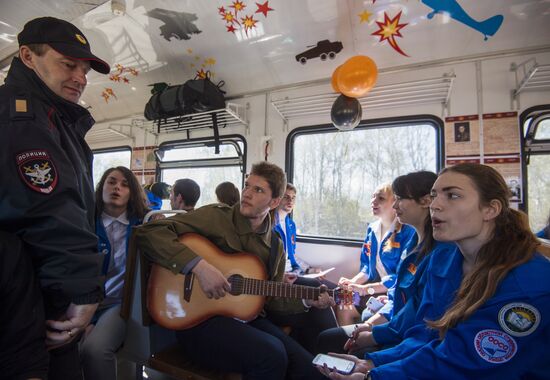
253 286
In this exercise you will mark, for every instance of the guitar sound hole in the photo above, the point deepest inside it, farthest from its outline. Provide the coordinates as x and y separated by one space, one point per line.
237 284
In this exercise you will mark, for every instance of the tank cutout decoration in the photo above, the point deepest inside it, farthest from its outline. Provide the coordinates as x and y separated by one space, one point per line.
234 22
451 7
179 25
324 49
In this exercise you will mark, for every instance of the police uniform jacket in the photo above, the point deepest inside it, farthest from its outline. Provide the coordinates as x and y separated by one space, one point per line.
289 240
46 187
224 226
390 249
505 338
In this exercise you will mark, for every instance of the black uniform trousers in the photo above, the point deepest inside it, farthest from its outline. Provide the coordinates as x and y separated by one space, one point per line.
23 352
258 350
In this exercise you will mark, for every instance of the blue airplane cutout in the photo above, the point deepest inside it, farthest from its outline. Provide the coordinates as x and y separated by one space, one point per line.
488 27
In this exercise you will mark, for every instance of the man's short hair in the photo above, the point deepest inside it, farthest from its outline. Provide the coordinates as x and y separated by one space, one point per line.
38 49
274 175
227 193
290 186
188 189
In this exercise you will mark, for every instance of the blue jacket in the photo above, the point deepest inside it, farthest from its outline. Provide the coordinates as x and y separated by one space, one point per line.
289 239
103 244
390 252
543 233
154 202
411 280
508 337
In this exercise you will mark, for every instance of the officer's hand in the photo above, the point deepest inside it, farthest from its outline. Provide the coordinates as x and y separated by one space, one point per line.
70 325
213 283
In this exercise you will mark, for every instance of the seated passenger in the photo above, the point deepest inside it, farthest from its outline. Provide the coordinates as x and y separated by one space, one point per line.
155 193
258 349
545 232
307 325
227 193
120 204
386 238
498 323
412 199
286 228
184 195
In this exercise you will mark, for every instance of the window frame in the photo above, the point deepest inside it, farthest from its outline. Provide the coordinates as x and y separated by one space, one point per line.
399 121
202 162
536 147
120 148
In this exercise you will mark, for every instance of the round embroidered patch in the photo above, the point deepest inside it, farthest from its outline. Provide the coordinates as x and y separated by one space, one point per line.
495 346
518 319
37 170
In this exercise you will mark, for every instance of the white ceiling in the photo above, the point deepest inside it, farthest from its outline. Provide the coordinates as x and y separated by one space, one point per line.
264 57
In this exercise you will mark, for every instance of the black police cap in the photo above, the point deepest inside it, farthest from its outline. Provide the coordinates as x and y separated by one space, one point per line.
63 37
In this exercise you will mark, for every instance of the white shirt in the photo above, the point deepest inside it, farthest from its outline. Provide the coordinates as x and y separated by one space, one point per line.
116 229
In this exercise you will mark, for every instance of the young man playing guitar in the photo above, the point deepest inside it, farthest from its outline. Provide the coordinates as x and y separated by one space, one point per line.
257 349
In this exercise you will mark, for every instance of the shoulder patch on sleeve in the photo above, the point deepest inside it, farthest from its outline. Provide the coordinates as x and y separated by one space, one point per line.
21 108
37 170
519 319
495 346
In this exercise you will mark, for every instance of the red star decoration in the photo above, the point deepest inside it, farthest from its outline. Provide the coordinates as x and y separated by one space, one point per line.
389 29
221 10
126 80
263 8
231 28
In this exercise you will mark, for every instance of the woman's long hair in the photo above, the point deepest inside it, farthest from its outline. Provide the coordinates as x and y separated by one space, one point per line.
137 203
511 245
415 186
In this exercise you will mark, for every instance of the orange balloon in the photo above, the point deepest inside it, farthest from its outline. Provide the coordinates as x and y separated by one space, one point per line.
334 82
357 76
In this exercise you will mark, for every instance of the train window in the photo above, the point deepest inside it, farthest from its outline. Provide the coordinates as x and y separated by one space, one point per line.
197 159
536 147
108 158
335 173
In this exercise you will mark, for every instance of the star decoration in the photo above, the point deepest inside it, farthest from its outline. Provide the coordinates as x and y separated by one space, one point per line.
238 6
221 10
209 61
389 29
201 74
228 17
263 8
231 28
364 16
107 93
248 23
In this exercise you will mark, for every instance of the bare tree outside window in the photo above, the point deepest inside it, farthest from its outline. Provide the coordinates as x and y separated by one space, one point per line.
337 172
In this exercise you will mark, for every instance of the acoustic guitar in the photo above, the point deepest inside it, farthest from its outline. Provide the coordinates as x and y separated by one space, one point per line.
177 302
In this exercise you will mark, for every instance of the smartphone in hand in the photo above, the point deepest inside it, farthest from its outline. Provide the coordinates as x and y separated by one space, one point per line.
343 366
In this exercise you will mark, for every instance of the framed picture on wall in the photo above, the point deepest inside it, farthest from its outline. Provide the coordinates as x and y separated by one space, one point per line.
462 131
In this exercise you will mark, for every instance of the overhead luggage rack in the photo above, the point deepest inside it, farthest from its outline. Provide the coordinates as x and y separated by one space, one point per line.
232 114
530 76
425 91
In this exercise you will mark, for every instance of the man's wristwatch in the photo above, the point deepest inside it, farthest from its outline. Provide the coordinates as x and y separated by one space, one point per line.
370 291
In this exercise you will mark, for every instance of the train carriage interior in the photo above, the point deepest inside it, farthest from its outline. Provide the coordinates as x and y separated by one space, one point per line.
430 83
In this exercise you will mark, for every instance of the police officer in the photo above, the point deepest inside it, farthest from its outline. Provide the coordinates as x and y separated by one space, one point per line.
47 201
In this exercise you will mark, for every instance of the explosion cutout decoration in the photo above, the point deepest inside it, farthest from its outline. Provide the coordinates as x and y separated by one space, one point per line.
107 93
389 29
203 68
248 22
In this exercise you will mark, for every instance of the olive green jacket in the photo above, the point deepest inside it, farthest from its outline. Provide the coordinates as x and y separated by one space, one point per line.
227 229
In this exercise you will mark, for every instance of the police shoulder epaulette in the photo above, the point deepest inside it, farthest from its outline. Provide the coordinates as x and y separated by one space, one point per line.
21 108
